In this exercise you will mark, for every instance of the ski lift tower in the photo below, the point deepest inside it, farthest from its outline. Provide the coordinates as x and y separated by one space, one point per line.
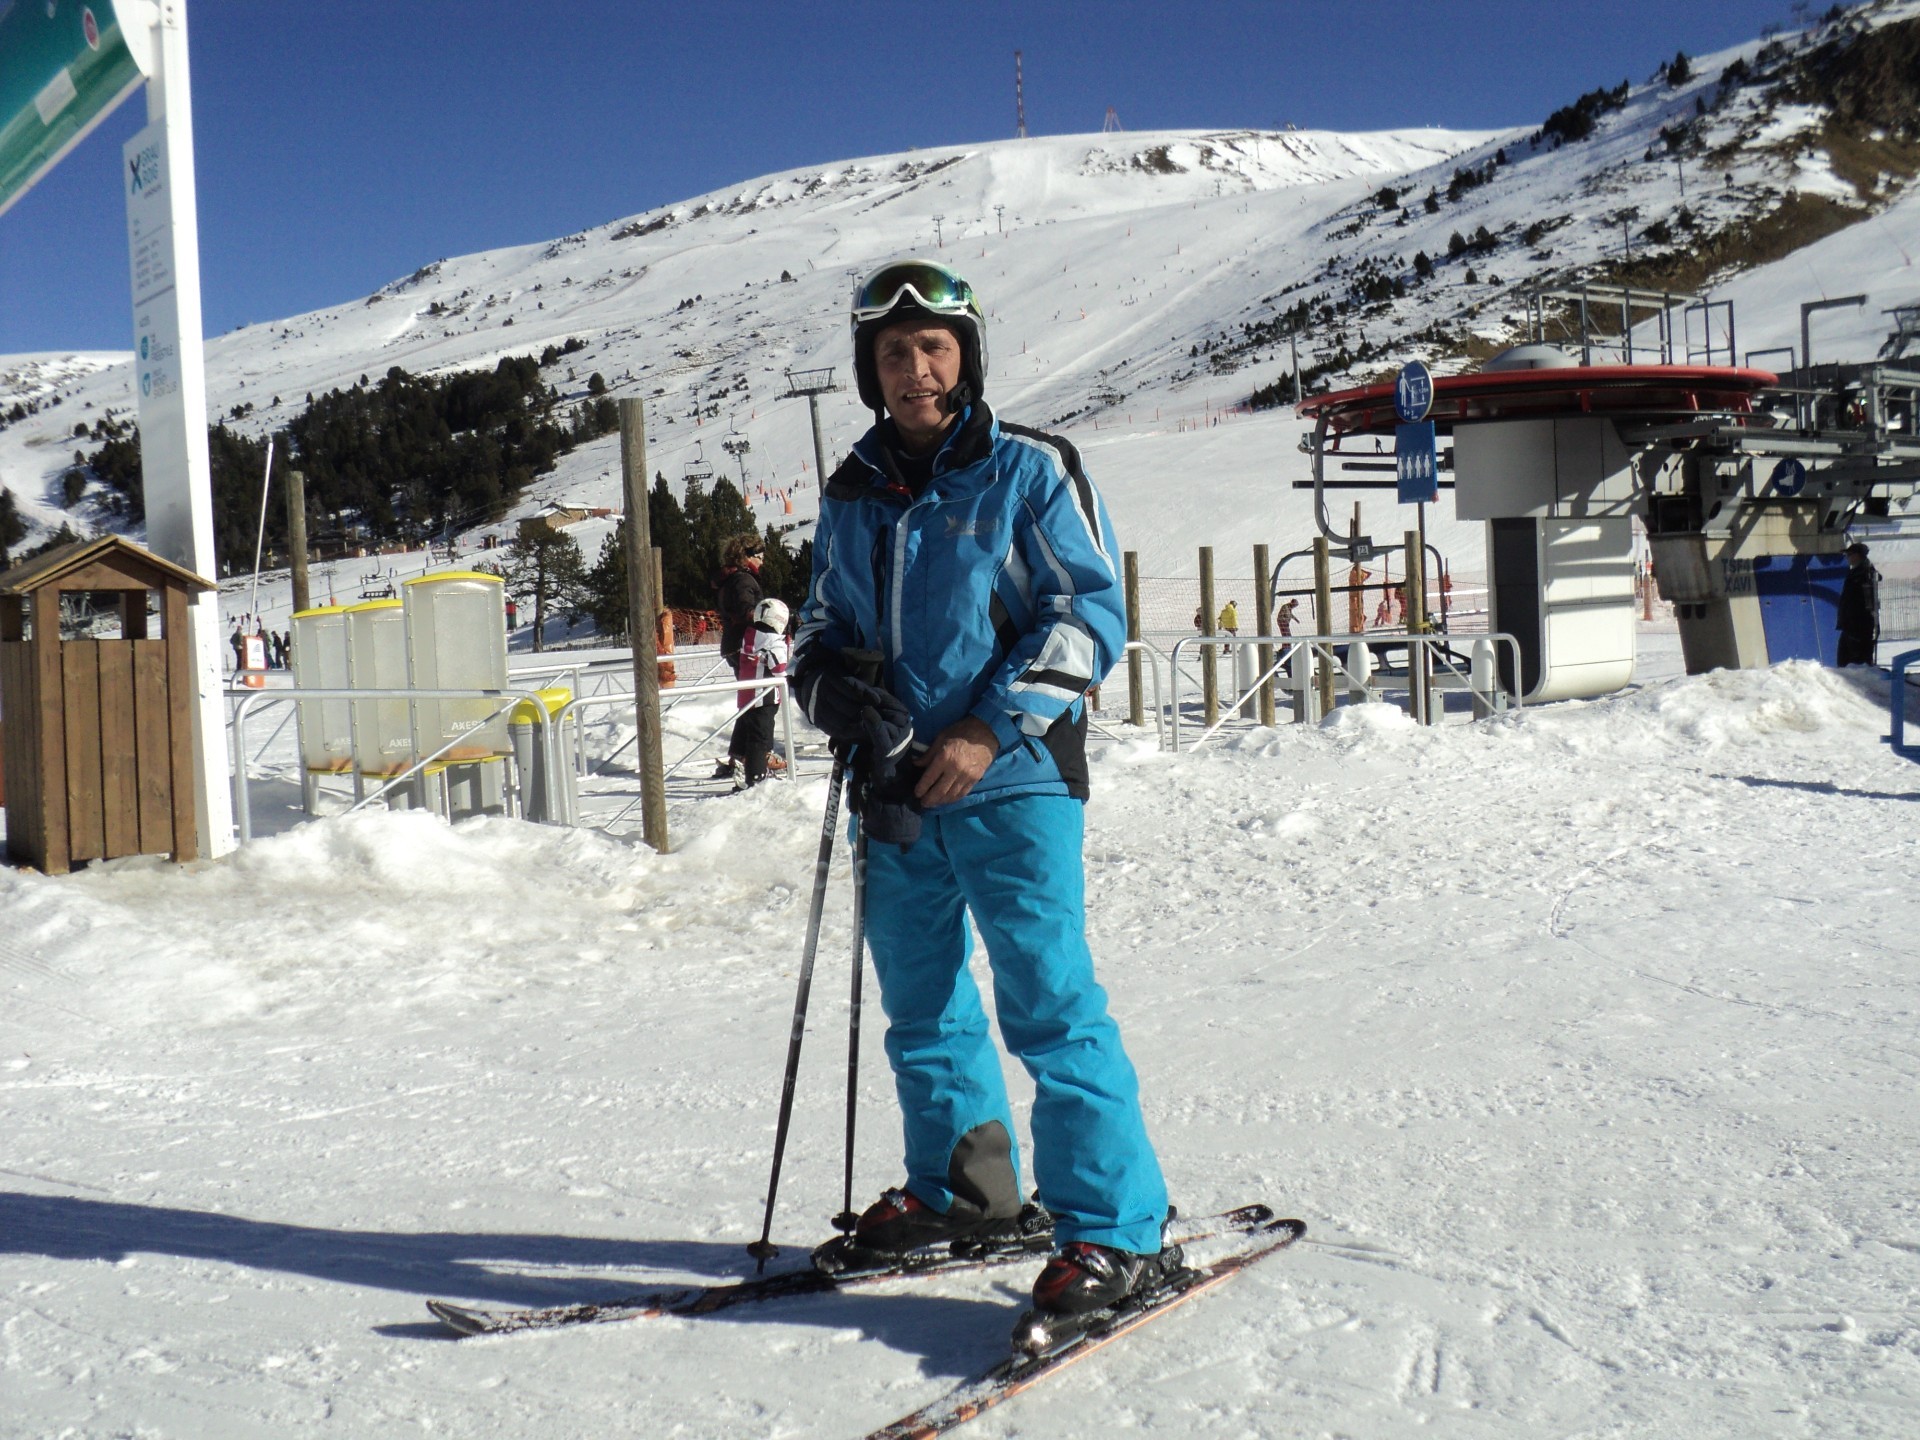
737 446
813 384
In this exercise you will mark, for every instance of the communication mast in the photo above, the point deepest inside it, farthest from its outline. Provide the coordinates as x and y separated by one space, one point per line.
1112 125
1019 102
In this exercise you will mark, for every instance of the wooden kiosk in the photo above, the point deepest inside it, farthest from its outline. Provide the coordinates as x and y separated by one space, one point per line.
94 706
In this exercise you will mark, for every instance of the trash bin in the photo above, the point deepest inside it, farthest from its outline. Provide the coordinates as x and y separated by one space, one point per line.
377 660
532 759
456 627
320 663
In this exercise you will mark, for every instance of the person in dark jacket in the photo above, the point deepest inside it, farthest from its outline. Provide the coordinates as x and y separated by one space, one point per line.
739 596
965 596
1859 619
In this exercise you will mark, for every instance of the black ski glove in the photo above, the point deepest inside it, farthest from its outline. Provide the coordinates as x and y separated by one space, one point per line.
883 796
849 709
873 731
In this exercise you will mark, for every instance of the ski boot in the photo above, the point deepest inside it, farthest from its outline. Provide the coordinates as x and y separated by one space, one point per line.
1083 1285
899 1225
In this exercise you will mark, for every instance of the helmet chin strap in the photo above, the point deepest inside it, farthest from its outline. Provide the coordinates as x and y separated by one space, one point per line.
957 399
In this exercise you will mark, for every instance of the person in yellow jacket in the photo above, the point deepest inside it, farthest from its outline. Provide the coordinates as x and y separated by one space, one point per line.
1230 618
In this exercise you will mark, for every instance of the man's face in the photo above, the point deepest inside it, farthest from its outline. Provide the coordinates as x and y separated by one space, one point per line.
918 362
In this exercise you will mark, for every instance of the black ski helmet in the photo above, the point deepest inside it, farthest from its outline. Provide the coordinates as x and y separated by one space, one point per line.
902 286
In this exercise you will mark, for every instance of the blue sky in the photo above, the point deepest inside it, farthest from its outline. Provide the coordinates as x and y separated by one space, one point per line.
345 143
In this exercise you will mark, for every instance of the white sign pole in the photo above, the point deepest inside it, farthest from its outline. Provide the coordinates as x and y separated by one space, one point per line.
170 379
260 540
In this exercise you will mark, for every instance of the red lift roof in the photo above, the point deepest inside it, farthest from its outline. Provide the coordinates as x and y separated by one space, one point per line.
1669 391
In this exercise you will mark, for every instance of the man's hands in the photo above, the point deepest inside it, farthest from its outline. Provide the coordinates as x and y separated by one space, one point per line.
955 761
851 710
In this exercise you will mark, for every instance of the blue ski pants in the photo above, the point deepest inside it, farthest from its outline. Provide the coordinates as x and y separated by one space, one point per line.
1016 866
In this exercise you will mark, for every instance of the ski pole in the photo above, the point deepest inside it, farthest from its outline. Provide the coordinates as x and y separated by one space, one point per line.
847 1219
763 1249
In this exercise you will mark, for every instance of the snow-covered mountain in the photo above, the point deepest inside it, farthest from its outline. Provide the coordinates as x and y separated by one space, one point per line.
1139 284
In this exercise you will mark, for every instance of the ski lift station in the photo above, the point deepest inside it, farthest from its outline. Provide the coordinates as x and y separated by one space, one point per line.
1744 480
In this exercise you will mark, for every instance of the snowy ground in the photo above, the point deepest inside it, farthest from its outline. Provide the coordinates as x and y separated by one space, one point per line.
1582 1038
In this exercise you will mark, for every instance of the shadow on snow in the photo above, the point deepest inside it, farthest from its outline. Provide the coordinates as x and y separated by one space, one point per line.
949 1334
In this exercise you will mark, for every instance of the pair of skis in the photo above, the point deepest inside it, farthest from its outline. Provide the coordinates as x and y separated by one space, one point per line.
1263 1235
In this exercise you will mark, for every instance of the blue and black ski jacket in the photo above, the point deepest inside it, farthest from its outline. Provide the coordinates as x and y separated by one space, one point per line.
994 592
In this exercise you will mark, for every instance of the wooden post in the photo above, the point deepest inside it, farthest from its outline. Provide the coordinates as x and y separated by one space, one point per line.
297 538
1209 675
1263 619
1323 619
1136 696
642 603
1417 625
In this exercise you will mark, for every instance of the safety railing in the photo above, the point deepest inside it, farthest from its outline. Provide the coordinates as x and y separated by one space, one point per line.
772 682
668 698
1302 655
1154 657
507 698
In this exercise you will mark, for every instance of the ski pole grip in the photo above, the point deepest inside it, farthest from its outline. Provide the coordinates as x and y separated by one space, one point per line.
864 664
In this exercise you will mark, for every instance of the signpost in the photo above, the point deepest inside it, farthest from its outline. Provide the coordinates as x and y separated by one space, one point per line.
1418 470
64 66
1415 460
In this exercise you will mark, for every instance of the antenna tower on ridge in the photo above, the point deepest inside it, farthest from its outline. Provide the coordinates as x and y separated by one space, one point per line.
1112 125
1019 101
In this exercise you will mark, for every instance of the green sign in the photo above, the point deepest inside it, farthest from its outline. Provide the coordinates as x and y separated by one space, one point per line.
64 65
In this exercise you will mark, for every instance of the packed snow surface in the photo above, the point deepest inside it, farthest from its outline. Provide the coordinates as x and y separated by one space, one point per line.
1583 1039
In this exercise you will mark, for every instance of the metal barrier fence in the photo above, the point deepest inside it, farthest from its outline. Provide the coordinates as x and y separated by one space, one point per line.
774 682
1170 605
509 699
1292 671
1302 654
560 801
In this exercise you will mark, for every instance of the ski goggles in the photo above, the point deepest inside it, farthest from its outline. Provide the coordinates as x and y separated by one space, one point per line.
931 287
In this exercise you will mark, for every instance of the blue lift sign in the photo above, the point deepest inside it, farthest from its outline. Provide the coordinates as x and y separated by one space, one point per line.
1413 392
1415 462
1414 458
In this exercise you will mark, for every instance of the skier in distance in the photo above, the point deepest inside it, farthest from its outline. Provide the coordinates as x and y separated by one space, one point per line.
977 560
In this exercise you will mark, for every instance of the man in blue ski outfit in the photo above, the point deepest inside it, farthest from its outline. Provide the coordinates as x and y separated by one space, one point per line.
974 558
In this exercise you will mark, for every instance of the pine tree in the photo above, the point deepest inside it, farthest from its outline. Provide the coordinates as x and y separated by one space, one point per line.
606 587
726 515
545 567
782 572
13 529
683 572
